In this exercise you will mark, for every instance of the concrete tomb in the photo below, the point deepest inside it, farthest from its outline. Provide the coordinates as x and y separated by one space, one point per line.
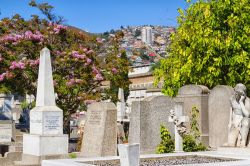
100 130
145 120
196 96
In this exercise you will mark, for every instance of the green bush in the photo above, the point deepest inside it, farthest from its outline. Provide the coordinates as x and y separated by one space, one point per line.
190 144
167 144
72 155
192 140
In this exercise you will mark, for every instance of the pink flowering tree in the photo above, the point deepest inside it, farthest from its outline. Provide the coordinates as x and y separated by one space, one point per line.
77 72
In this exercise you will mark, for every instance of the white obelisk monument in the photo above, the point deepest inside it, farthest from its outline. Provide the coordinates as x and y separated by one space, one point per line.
46 119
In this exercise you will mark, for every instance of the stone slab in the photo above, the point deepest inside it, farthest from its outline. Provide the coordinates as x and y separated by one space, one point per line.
100 131
39 145
219 112
196 96
145 120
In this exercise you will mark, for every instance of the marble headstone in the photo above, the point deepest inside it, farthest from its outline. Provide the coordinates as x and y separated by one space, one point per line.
196 96
100 131
145 120
219 112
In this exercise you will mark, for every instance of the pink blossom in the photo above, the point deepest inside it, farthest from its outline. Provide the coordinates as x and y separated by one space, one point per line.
58 53
88 62
9 74
95 70
99 40
58 28
76 54
34 62
73 81
17 65
90 51
114 70
37 36
2 76
99 77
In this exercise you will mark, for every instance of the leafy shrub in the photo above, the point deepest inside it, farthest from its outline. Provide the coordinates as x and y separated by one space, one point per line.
190 144
72 155
167 144
192 141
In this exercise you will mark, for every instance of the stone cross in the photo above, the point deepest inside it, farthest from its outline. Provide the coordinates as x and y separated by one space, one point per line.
177 118
121 105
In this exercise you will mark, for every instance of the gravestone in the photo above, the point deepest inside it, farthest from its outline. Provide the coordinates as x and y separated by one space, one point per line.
16 112
219 112
100 131
6 123
46 119
145 120
121 106
178 119
196 96
129 154
6 105
120 133
6 131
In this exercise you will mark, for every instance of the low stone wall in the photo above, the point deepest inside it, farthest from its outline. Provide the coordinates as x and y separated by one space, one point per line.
9 158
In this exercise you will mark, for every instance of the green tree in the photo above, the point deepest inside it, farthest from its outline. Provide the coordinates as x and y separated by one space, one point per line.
118 67
211 46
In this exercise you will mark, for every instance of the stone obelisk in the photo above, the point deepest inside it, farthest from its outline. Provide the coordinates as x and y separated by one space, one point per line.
46 119
121 105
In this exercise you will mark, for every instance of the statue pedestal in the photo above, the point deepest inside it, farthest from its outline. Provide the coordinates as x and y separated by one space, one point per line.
234 150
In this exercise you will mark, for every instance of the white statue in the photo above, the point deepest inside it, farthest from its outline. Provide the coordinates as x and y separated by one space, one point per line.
239 122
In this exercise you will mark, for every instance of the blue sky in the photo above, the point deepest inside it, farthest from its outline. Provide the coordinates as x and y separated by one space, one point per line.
103 15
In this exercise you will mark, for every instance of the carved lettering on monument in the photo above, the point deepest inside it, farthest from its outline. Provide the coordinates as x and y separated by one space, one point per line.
52 122
5 133
95 118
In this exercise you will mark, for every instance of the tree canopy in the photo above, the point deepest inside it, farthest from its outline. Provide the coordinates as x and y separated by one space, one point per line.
78 72
211 46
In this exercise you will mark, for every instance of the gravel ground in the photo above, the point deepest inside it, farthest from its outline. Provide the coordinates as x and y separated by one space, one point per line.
168 161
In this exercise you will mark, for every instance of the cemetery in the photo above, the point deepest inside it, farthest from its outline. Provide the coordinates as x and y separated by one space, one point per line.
46 145
64 103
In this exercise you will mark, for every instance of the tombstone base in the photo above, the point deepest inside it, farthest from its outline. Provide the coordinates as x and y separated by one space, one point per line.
40 145
233 150
32 160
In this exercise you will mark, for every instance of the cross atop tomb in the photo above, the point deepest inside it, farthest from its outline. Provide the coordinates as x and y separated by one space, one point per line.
178 119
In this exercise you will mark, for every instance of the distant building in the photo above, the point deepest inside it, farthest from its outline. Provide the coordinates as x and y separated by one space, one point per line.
147 35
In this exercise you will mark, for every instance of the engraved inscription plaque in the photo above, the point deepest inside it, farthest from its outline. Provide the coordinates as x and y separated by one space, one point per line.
5 132
95 117
52 122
